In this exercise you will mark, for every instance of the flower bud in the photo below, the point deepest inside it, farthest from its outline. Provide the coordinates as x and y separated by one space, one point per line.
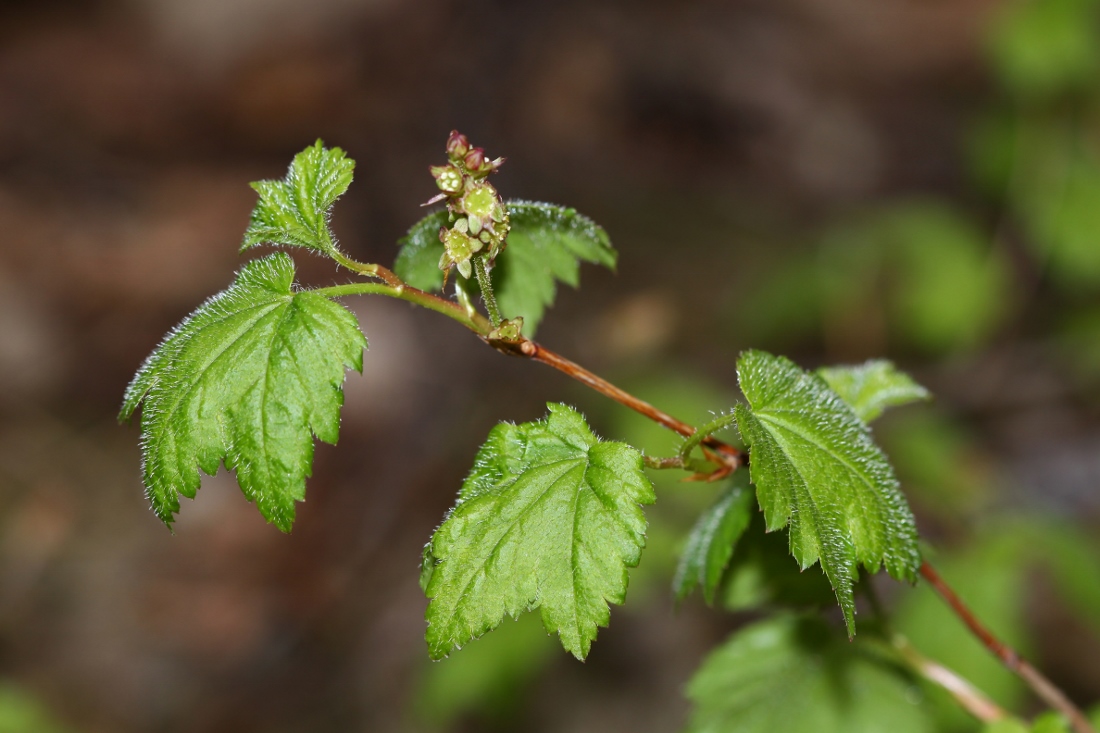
457 146
474 160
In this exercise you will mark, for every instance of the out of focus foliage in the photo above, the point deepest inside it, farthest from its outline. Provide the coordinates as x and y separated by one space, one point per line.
20 712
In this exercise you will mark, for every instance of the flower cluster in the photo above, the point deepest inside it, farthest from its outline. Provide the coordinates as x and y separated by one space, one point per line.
479 219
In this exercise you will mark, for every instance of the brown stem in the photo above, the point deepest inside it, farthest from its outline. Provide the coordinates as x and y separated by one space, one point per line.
1040 685
731 456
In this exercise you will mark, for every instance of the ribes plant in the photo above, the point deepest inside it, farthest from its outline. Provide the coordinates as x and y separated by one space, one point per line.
551 517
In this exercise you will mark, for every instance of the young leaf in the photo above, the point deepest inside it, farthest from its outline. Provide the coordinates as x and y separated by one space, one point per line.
796 675
545 245
815 466
712 540
548 518
295 210
246 379
873 386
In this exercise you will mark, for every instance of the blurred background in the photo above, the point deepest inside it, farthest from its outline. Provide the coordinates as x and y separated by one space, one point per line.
835 181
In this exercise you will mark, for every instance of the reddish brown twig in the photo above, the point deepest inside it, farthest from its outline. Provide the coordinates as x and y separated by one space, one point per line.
730 456
1044 688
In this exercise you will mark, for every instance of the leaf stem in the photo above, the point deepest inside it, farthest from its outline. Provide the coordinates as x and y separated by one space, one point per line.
369 269
704 432
471 320
686 464
486 286
731 456
1040 685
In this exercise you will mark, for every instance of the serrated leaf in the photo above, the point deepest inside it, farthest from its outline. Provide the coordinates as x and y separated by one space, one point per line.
248 378
816 467
295 211
713 539
871 387
796 675
548 518
545 245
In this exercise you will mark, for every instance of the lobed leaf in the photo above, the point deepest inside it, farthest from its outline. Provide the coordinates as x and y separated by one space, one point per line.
713 539
816 467
295 211
545 245
548 518
248 378
871 387
796 675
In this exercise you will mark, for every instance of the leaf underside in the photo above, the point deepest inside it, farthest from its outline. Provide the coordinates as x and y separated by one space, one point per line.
713 539
545 245
873 386
248 378
796 675
294 211
816 467
548 518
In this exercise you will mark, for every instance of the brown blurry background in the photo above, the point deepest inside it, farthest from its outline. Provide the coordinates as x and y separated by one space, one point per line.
731 149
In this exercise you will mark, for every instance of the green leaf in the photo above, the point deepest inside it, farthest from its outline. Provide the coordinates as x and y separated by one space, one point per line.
246 379
548 518
873 386
418 261
796 675
545 245
295 210
712 540
763 575
815 466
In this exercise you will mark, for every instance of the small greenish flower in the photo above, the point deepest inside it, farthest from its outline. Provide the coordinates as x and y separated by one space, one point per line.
449 178
458 248
477 210
510 330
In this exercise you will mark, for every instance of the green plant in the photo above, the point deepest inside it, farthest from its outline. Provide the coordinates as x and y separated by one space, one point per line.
551 517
